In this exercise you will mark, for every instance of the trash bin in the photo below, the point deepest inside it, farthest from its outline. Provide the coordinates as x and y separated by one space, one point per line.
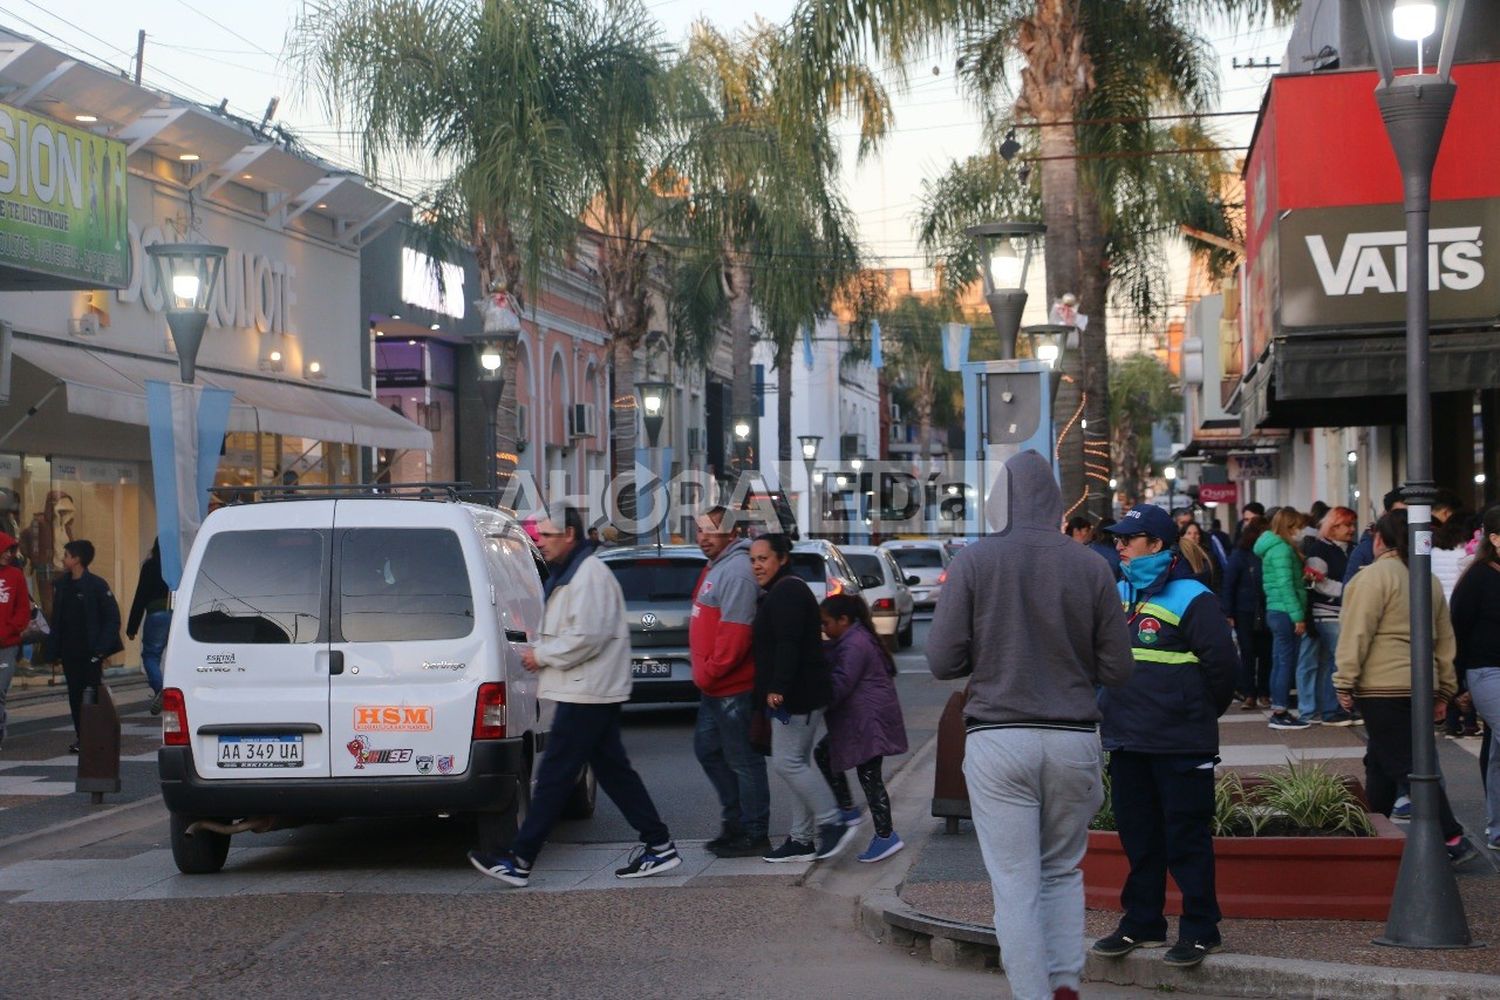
950 793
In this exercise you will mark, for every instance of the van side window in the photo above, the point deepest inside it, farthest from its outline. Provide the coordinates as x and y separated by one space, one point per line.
260 587
403 585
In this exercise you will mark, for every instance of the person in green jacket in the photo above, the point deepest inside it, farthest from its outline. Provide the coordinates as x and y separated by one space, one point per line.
1286 607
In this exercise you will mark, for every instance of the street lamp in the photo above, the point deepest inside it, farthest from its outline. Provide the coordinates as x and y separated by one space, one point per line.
1048 341
1005 252
187 273
810 444
491 386
1170 474
1426 910
653 408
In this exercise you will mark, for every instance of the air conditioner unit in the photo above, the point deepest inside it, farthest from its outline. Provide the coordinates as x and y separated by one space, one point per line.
695 439
584 422
86 325
853 446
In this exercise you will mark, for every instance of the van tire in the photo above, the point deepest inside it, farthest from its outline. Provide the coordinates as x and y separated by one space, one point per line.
904 637
201 853
580 804
496 830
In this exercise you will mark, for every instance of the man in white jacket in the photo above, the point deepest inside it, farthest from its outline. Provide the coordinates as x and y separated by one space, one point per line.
582 662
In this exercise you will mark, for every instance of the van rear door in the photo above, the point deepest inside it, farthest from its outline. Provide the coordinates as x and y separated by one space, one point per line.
251 653
403 633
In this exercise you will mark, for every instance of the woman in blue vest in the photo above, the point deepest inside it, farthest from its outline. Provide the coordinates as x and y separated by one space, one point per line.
1161 729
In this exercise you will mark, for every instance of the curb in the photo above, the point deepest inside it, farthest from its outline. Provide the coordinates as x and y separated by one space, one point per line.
887 919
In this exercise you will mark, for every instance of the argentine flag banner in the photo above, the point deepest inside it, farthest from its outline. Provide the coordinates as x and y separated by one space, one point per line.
187 425
955 346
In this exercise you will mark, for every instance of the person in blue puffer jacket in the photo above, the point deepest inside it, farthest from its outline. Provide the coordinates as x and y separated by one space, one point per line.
1161 729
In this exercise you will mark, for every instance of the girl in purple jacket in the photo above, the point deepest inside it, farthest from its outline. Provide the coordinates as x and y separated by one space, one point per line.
864 719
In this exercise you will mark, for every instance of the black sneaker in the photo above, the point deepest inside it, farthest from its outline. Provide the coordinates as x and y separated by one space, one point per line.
791 850
727 834
743 846
833 838
156 703
505 868
1120 944
1286 720
1339 718
646 861
73 748
1185 954
1462 852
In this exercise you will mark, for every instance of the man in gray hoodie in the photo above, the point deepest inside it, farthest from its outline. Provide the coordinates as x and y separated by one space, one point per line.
1035 622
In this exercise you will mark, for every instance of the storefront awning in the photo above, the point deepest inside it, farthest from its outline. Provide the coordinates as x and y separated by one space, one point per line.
112 386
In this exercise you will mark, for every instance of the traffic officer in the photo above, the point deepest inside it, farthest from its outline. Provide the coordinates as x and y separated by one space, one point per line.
1162 733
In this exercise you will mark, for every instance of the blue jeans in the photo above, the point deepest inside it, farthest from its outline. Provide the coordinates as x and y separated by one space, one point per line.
153 643
1315 695
1284 641
1484 688
737 772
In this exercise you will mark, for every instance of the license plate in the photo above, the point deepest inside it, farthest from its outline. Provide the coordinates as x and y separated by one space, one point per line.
650 668
260 751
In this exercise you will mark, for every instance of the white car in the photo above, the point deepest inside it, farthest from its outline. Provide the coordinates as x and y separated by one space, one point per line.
885 589
927 561
351 656
824 568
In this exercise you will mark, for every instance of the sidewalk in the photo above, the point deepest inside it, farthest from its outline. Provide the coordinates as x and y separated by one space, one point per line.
39 681
945 898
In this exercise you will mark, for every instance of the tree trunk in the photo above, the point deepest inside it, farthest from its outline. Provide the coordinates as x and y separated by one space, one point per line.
922 400
1093 301
784 416
623 433
742 402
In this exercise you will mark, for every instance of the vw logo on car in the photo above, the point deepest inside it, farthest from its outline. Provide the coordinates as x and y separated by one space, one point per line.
648 620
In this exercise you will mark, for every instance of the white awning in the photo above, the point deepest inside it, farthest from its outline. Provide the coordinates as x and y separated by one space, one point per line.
113 387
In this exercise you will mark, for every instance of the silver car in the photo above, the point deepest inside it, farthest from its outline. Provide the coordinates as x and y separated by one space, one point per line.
886 590
927 561
658 583
824 568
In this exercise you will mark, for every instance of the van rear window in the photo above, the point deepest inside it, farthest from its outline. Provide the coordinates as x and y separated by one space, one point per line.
403 585
260 587
656 579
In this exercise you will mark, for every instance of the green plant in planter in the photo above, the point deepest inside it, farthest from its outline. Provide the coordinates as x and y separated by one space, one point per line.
1309 800
1104 819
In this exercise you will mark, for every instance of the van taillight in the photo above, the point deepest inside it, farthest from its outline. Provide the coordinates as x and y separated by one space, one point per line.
174 724
489 712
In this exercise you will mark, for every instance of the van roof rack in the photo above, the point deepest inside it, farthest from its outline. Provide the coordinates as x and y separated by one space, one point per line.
449 492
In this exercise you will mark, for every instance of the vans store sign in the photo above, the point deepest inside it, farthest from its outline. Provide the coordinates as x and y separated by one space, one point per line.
62 203
1345 267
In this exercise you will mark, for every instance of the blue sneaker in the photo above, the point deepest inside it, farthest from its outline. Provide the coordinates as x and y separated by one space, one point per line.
881 848
850 816
1401 811
505 868
650 861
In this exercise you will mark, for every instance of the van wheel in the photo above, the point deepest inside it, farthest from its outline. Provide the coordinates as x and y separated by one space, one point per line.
580 804
201 853
495 831
904 637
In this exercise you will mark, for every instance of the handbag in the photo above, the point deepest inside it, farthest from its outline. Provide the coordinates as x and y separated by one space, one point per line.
37 629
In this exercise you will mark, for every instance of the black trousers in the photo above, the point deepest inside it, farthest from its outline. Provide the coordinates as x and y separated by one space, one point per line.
1164 808
586 734
81 673
870 779
1254 676
1388 758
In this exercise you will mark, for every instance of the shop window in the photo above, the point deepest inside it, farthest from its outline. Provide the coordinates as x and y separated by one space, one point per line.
260 587
403 585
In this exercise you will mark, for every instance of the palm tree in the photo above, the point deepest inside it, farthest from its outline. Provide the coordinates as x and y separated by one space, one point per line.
1081 61
1140 392
509 98
760 161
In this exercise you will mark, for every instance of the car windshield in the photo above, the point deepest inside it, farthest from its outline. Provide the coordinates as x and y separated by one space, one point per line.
918 558
810 567
657 579
865 564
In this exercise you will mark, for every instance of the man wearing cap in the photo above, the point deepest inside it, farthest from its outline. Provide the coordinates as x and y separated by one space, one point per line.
1161 729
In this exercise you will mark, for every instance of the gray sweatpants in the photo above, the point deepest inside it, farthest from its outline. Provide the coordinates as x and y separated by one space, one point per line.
813 804
7 674
1033 792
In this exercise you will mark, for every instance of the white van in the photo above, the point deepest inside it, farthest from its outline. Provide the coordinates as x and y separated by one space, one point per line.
353 655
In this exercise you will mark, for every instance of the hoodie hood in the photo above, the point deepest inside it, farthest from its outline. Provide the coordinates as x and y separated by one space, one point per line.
7 542
736 546
1031 498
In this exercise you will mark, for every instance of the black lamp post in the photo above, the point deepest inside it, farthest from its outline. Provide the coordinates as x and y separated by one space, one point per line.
810 444
744 430
654 395
1426 909
187 273
491 386
1006 249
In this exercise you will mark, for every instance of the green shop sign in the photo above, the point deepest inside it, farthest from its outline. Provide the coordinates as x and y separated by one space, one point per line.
62 202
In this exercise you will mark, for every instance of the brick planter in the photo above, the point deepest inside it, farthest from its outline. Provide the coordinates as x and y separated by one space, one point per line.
1306 878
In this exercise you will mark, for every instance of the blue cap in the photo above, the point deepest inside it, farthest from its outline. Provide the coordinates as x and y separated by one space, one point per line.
1147 519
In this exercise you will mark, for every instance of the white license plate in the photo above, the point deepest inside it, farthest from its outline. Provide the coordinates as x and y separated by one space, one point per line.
650 668
260 751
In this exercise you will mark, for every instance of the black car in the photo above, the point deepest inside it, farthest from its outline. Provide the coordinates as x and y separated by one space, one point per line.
658 582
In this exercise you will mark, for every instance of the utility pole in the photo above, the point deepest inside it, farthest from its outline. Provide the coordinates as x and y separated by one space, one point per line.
140 54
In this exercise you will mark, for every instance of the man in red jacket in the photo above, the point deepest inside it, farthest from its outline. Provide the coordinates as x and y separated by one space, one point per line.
15 615
719 636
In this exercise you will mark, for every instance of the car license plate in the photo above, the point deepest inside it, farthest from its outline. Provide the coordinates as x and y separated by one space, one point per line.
650 668
260 751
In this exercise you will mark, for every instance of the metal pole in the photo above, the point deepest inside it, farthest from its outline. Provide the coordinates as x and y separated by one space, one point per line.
1426 909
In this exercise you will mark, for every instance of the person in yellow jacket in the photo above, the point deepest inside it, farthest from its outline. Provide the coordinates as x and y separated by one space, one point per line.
1373 670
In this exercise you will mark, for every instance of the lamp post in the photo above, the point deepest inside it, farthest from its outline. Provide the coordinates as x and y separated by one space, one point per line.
491 386
1426 910
654 395
1170 474
187 272
744 426
1005 250
810 444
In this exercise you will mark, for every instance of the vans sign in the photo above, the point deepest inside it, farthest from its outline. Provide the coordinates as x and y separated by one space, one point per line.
1346 267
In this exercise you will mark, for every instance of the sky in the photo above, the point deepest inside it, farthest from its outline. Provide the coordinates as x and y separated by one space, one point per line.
210 51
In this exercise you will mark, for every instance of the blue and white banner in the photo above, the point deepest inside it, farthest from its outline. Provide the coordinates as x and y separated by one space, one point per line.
807 347
187 425
955 346
876 360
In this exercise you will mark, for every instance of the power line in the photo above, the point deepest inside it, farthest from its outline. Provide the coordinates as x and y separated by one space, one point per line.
221 24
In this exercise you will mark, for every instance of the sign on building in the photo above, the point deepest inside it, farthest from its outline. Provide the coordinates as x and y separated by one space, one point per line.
1256 465
1218 493
62 201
